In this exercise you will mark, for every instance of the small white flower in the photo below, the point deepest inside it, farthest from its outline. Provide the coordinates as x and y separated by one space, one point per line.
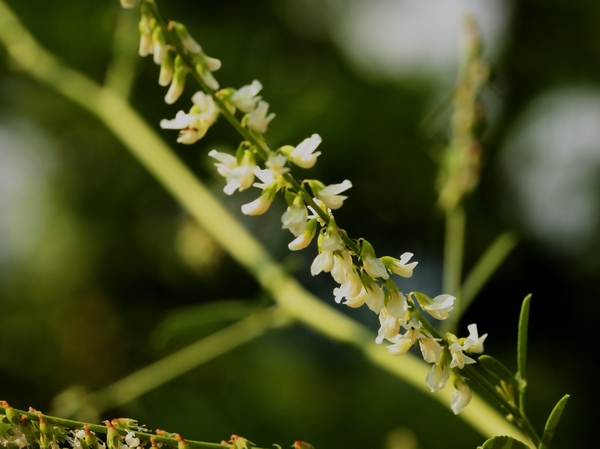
441 305
238 176
330 194
257 207
438 377
400 344
397 303
401 267
375 267
475 345
192 127
389 326
304 239
342 265
245 98
276 163
295 219
259 118
459 359
350 288
431 349
461 397
331 239
355 301
131 440
374 297
303 155
323 262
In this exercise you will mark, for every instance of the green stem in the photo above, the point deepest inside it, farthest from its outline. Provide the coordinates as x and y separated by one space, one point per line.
453 261
487 264
521 420
176 364
155 155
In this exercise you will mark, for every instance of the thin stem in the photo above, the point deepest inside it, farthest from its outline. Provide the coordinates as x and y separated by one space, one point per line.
182 361
453 261
521 419
487 264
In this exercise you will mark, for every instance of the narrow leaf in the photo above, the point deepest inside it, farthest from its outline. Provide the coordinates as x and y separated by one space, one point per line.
552 422
503 442
522 343
497 369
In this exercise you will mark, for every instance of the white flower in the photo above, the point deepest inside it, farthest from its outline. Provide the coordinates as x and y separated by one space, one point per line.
259 118
205 106
245 98
431 349
238 176
397 303
437 377
389 326
401 267
331 239
402 342
192 127
475 345
131 440
350 288
461 397
303 155
276 163
441 305
374 297
304 239
330 194
459 359
354 301
257 207
295 218
342 265
323 262
375 267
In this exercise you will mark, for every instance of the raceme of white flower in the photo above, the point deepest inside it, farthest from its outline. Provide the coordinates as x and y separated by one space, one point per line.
363 277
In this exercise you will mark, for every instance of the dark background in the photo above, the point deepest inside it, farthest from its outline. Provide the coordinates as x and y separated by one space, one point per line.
95 256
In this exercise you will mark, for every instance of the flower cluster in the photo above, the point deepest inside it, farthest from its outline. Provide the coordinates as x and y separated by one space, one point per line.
33 430
363 278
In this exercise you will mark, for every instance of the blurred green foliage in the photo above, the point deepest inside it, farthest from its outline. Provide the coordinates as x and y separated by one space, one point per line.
109 255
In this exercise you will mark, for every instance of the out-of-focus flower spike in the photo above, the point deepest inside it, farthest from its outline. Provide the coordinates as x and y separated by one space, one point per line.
185 37
178 81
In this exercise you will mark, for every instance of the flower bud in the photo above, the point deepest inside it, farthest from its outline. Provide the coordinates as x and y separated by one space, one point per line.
178 82
186 39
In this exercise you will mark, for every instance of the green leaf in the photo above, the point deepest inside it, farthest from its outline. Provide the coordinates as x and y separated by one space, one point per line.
522 343
552 422
503 442
497 369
